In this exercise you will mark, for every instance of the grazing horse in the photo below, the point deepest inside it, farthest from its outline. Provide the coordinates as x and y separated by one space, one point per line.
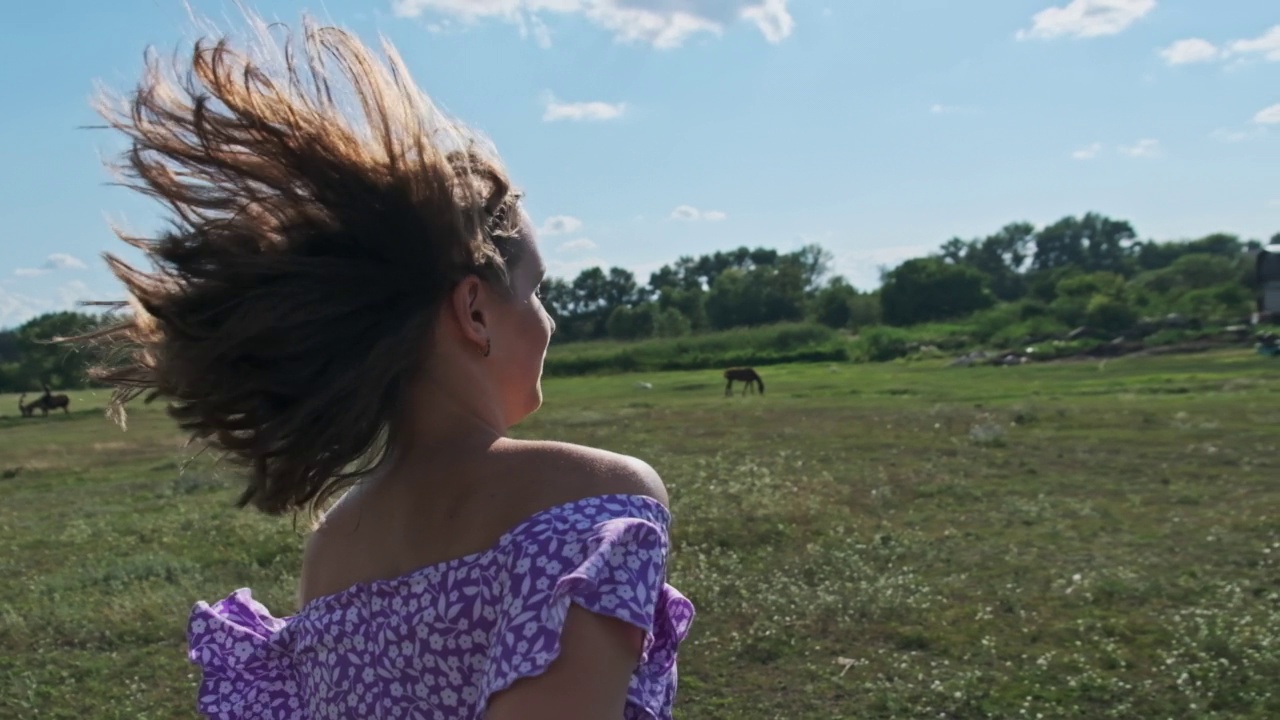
46 402
745 375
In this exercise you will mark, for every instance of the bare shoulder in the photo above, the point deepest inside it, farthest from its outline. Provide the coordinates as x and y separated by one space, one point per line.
321 548
564 472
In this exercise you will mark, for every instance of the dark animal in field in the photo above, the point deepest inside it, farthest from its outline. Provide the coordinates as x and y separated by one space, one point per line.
747 376
45 403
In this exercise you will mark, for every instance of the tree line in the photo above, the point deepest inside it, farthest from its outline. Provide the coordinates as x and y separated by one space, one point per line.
1016 283
1079 270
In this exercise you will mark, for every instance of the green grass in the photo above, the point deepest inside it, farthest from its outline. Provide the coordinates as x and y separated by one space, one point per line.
898 540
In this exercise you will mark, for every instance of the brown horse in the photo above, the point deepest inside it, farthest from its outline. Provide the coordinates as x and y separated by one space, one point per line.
45 403
747 376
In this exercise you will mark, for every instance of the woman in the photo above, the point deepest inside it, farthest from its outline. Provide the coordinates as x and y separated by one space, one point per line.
346 302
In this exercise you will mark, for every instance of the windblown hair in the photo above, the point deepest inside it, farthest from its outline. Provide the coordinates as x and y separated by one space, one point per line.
322 210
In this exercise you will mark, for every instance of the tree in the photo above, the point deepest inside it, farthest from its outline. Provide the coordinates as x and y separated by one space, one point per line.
814 264
833 304
632 323
1094 242
691 304
671 323
38 361
582 308
927 289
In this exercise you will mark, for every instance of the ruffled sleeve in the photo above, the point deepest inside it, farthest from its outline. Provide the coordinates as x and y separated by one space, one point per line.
611 561
243 655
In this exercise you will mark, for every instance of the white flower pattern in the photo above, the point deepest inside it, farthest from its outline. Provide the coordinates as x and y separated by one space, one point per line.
438 642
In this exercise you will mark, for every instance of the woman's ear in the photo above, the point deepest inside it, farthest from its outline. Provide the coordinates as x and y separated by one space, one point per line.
469 305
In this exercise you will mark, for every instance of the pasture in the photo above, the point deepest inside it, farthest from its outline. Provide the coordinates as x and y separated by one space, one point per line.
1068 540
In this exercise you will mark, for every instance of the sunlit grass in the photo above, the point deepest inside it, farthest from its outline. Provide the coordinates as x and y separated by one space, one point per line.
1074 540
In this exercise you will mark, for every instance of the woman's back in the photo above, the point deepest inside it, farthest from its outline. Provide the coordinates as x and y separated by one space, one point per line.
430 511
441 641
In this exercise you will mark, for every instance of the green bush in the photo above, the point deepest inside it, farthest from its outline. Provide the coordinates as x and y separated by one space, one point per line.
1109 313
769 345
880 344
1029 331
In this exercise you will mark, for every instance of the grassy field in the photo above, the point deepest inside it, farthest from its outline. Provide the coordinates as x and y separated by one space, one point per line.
1068 540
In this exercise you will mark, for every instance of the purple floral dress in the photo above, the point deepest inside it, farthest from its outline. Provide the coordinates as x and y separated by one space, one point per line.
438 642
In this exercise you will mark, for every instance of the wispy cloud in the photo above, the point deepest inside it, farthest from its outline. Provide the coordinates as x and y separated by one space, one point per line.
1268 115
1235 135
690 213
579 111
1191 50
1144 148
577 245
943 109
568 269
771 18
1267 45
862 267
16 308
1198 50
660 23
73 292
1086 18
560 225
56 261
1088 152
63 261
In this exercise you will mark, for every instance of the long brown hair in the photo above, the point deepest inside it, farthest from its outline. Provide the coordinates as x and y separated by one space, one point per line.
321 210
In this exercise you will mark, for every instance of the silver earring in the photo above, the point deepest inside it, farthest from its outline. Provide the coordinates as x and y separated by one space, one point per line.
488 346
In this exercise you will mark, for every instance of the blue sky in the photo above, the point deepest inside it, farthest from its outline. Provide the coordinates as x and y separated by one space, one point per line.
642 130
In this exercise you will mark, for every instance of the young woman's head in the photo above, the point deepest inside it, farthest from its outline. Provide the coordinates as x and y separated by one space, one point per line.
335 243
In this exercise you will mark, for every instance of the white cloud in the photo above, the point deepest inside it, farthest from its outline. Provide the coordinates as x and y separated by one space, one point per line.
576 245
941 109
1268 116
63 261
56 261
772 18
560 225
1144 148
569 269
1267 45
73 292
541 33
1087 152
1191 50
578 111
1086 18
691 213
17 308
1228 135
862 267
660 23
